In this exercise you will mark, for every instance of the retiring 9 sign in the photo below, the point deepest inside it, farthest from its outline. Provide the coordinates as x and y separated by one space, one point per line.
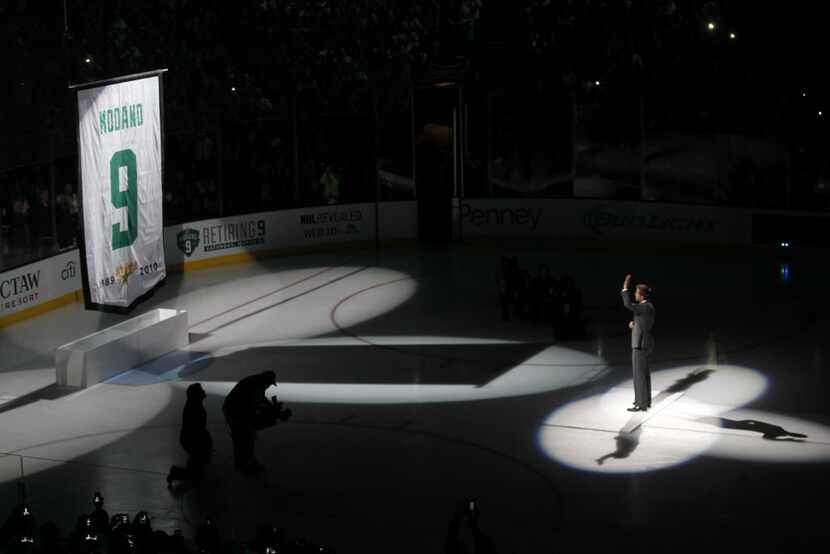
120 156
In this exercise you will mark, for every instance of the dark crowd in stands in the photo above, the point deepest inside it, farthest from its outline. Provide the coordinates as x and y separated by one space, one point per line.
289 104
281 118
541 297
96 532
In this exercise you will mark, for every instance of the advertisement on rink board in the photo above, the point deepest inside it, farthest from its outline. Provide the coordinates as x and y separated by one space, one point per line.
604 220
304 227
54 278
266 231
32 285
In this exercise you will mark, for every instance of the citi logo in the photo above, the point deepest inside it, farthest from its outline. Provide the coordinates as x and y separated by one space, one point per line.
69 271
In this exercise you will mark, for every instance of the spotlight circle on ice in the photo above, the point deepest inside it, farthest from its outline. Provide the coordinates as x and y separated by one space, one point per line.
597 434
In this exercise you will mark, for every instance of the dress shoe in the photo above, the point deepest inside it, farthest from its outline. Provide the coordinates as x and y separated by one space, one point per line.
635 409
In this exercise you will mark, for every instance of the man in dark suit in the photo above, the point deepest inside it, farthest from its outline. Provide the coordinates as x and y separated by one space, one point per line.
642 342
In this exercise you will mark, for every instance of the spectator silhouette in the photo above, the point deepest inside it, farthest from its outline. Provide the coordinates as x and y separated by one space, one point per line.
20 219
50 538
194 438
523 293
464 535
67 209
100 517
511 287
20 527
503 284
571 305
143 530
41 215
85 537
330 185
542 293
122 536
207 538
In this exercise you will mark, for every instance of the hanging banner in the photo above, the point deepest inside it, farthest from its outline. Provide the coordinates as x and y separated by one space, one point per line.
120 157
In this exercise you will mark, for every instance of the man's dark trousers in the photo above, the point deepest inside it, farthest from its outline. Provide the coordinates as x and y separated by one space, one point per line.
642 377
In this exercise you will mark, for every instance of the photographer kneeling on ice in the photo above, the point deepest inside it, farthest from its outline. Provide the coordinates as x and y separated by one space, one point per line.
248 410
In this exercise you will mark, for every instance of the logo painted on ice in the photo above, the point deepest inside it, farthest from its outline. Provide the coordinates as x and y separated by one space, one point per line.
188 241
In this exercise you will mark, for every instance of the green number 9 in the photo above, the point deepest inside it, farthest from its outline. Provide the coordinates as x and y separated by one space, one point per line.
124 199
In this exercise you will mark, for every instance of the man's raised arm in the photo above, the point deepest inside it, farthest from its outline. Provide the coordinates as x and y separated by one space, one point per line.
626 298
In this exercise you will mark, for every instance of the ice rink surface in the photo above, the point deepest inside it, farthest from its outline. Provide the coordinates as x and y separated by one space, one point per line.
409 394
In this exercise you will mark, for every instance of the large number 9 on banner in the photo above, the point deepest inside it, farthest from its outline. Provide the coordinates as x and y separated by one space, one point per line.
124 198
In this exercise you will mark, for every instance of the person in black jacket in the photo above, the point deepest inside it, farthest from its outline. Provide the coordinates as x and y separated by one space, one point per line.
194 438
243 409
100 517
464 534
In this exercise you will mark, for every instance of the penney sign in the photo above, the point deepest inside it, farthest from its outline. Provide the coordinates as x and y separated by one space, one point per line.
612 220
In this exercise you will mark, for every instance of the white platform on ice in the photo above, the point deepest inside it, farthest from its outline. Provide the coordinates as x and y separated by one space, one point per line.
99 356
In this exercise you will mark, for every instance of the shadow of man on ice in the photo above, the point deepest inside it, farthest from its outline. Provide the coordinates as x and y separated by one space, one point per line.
768 430
687 382
627 441
626 444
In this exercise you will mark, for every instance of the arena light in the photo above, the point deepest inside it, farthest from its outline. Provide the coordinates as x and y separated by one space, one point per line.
785 273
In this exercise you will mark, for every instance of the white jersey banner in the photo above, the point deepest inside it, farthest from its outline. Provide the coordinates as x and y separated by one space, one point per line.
120 152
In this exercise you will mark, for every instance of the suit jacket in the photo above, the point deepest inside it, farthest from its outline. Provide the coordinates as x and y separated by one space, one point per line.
643 322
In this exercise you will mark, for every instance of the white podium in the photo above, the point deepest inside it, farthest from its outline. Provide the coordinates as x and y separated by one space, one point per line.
114 350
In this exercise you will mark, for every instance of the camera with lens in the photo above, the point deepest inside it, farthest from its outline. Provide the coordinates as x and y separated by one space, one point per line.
268 413
282 413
